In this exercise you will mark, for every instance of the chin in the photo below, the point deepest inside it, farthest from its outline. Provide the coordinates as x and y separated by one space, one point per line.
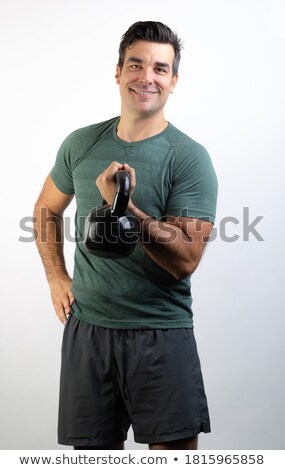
147 110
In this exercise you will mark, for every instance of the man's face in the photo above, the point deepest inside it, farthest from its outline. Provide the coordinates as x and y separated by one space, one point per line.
146 79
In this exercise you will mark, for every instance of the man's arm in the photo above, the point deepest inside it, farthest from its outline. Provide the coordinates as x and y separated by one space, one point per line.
176 244
49 234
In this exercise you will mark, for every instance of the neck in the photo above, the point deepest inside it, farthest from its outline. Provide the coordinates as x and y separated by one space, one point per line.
132 130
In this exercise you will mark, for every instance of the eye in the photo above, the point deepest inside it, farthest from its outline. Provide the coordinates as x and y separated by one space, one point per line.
134 67
161 70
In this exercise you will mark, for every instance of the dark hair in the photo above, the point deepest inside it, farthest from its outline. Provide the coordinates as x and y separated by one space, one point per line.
152 31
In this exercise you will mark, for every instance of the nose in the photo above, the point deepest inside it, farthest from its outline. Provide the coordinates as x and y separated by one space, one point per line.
146 76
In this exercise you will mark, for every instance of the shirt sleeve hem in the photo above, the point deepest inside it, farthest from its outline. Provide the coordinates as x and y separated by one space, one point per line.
189 213
60 186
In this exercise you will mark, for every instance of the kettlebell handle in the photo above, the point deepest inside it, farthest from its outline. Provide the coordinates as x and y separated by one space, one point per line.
122 196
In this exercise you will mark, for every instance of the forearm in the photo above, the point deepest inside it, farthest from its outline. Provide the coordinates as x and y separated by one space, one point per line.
165 243
48 230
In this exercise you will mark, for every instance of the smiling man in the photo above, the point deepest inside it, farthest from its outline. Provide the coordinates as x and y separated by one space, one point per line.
146 78
129 354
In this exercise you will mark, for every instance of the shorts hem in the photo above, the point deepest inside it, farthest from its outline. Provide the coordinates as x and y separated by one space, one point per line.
205 428
92 441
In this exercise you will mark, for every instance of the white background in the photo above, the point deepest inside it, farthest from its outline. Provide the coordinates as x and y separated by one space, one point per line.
58 62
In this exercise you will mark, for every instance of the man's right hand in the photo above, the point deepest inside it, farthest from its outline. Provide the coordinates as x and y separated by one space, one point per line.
62 297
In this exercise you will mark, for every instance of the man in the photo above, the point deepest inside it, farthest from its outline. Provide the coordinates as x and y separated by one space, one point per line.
129 354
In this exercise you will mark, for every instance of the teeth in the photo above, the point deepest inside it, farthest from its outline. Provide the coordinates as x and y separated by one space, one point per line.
144 92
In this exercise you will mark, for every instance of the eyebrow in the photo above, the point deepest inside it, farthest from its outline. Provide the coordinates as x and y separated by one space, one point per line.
140 61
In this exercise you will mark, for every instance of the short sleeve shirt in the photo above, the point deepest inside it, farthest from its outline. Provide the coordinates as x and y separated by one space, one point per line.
174 177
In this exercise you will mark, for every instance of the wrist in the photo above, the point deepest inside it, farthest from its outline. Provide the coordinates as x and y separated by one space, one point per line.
56 274
131 206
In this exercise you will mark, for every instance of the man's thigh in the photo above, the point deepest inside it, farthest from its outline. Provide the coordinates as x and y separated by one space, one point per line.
91 409
161 384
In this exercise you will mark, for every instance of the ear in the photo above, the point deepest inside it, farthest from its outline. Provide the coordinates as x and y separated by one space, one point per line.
173 83
117 75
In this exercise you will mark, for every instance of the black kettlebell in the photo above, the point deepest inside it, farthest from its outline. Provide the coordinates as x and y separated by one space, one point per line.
111 231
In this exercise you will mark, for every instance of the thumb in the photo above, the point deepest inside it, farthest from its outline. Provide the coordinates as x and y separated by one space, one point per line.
132 174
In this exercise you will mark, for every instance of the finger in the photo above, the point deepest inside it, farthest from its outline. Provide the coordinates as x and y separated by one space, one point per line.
66 304
59 310
113 168
132 174
129 169
109 173
62 308
71 297
116 166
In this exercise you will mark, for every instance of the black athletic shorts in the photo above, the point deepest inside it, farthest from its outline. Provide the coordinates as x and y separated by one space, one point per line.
113 378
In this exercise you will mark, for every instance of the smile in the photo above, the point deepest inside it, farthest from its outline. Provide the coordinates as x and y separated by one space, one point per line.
144 92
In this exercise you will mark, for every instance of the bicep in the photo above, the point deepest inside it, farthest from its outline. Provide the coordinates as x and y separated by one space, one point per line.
52 198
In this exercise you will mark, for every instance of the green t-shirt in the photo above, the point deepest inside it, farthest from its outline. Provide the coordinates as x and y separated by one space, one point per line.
174 176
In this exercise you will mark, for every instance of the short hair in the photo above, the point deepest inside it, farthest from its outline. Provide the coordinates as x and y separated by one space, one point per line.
152 31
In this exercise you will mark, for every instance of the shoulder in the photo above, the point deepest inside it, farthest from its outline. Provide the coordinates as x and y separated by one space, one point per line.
184 145
76 145
82 136
189 155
